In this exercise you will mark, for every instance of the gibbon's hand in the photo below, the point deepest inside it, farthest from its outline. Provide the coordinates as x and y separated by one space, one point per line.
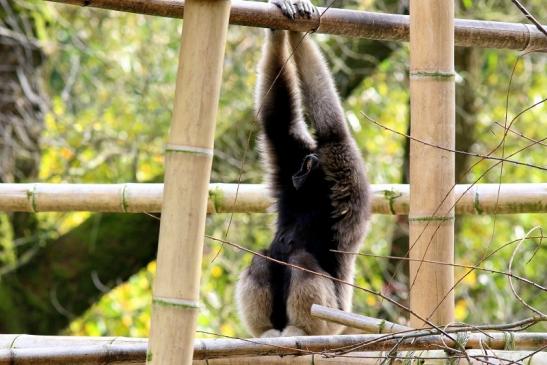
295 8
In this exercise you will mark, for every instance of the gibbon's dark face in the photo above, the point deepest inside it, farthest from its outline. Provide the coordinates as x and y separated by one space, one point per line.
310 163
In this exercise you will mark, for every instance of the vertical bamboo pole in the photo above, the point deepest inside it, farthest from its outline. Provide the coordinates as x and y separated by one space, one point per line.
187 170
431 170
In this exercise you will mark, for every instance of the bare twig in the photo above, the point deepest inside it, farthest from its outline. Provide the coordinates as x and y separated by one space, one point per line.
484 157
530 17
519 298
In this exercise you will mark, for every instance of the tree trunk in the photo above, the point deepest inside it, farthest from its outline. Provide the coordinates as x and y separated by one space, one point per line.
69 274
22 108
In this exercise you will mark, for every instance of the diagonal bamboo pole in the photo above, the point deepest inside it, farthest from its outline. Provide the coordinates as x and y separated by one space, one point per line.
358 321
349 23
432 104
187 171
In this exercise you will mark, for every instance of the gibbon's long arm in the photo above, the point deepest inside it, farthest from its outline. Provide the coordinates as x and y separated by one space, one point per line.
321 98
278 109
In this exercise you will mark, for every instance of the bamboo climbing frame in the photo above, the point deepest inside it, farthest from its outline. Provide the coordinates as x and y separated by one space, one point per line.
188 160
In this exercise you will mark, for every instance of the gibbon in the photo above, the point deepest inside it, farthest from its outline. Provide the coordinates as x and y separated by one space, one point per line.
319 185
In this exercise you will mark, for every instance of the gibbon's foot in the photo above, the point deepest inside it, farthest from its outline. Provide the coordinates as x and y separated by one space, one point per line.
290 331
271 333
295 8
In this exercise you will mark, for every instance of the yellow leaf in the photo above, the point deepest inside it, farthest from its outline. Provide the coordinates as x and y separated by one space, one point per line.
471 278
461 311
216 272
227 330
126 320
66 152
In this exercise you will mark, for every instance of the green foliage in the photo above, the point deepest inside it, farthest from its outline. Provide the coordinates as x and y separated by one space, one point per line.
7 249
111 78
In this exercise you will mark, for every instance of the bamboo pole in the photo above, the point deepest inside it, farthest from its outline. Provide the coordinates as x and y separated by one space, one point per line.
400 358
350 23
432 105
354 320
87 350
253 198
130 356
188 161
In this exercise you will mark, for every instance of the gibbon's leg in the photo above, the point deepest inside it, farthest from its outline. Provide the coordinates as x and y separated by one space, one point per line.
254 298
306 289
278 106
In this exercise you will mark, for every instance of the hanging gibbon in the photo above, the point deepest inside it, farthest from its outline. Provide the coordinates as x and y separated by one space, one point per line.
319 185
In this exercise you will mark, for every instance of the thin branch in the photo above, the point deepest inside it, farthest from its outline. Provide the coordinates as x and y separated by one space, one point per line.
530 17
473 267
484 157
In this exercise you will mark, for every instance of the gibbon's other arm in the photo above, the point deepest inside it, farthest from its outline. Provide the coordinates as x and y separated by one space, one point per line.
320 96
278 101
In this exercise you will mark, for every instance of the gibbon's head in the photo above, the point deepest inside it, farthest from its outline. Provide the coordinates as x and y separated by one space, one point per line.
310 163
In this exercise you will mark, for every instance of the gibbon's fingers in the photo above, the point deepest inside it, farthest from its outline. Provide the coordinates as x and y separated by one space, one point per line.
287 8
301 6
304 7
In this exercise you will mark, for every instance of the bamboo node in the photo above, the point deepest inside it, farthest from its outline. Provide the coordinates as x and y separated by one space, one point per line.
509 339
382 326
476 203
216 197
189 149
31 196
462 338
174 302
435 75
390 196
124 202
432 218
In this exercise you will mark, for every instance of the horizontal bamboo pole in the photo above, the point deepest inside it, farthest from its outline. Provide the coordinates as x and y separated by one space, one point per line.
224 348
400 358
252 198
350 23
353 320
135 355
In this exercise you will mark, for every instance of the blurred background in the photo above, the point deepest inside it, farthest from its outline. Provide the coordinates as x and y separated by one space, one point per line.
86 97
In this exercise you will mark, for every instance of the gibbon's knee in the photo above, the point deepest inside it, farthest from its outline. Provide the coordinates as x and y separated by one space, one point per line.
254 298
306 289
